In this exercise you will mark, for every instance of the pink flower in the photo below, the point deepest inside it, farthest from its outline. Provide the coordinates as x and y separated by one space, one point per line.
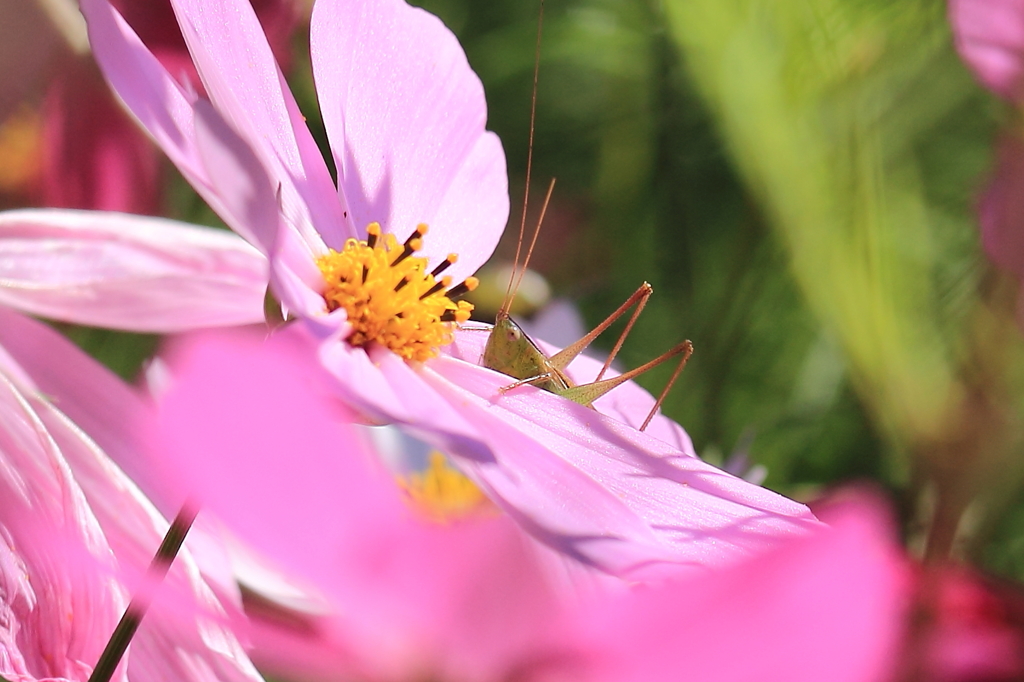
473 599
966 626
990 37
75 536
406 117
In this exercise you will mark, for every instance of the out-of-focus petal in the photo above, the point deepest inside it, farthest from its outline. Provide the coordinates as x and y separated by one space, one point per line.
185 629
86 391
416 150
48 531
128 272
411 597
75 533
94 154
48 368
990 37
829 606
246 86
253 446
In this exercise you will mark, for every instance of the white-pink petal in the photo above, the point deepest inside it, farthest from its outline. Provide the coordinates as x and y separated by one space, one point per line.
405 115
128 272
238 69
696 514
154 98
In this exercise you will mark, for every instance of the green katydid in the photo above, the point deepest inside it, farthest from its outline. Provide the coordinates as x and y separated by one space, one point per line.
511 351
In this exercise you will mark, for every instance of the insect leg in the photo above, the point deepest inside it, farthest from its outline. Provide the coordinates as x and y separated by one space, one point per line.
561 359
532 381
664 392
586 394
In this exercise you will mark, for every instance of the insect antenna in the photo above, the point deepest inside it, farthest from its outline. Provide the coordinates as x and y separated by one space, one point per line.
137 607
512 282
533 241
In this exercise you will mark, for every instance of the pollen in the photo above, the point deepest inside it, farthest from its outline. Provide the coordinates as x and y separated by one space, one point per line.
442 492
390 297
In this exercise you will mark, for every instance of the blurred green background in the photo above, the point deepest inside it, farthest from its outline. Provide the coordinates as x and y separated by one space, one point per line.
797 182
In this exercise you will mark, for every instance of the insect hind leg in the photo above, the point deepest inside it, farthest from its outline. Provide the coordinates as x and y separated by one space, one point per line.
588 393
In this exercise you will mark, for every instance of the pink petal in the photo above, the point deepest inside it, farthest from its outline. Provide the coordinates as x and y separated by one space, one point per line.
241 180
696 514
990 37
246 86
406 115
250 441
829 606
637 505
161 105
68 512
128 272
237 176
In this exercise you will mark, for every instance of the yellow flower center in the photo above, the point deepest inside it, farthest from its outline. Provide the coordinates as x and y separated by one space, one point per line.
390 297
442 492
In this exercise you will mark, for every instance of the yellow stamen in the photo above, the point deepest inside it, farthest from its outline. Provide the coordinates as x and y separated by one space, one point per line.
442 492
390 297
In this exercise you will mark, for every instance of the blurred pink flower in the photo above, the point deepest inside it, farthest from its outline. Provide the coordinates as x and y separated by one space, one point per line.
92 153
474 599
75 536
405 115
989 35
966 626
1001 207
